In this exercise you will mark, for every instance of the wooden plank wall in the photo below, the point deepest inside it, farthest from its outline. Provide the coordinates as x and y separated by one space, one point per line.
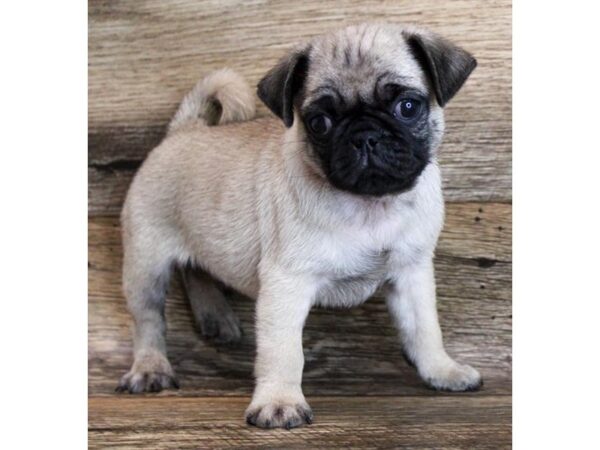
143 56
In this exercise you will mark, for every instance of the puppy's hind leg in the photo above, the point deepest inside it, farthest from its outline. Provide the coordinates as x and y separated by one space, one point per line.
212 312
146 273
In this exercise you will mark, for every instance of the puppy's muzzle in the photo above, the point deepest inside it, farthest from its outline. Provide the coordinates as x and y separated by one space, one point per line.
365 143
375 161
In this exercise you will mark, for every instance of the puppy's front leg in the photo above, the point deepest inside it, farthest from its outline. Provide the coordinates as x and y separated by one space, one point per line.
281 310
412 304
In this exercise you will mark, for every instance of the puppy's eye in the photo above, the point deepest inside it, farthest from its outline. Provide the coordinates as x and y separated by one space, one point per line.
320 125
407 109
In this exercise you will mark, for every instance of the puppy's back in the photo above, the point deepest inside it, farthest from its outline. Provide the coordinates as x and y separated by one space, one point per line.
197 189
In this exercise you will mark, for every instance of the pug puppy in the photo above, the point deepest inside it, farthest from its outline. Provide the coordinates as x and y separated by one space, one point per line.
339 197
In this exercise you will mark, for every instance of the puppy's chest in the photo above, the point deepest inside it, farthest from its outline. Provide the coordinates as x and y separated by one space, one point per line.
352 260
349 286
352 271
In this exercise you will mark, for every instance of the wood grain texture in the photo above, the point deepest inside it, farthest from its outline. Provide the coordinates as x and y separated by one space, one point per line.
144 56
460 422
347 352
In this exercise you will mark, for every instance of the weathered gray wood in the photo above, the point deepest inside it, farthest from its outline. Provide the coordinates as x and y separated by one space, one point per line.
144 55
354 352
464 421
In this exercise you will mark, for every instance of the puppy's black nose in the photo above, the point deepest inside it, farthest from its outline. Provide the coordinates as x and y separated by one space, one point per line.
365 140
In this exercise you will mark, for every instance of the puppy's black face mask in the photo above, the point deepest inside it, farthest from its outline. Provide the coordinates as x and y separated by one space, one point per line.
381 144
374 148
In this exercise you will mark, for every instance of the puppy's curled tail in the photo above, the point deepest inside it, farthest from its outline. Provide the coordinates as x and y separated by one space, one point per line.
222 97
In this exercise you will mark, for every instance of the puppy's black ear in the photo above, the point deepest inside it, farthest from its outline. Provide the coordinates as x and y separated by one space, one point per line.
280 85
447 65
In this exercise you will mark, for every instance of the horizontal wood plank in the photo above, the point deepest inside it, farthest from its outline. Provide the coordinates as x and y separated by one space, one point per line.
347 352
459 422
144 56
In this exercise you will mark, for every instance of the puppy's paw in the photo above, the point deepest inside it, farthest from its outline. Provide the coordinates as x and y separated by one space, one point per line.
149 373
454 377
139 382
275 406
279 415
221 328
